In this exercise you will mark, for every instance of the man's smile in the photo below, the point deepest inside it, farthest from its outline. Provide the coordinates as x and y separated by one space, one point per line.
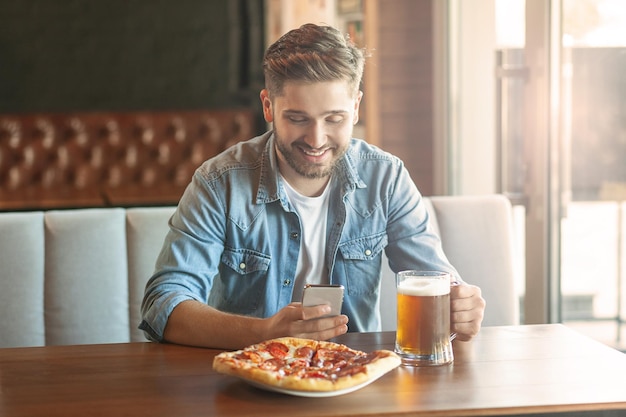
315 155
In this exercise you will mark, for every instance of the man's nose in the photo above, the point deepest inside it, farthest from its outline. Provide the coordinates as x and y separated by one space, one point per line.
316 136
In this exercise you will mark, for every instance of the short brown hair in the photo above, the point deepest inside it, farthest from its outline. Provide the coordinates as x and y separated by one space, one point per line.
312 53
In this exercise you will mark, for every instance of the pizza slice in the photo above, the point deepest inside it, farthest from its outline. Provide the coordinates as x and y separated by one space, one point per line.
306 365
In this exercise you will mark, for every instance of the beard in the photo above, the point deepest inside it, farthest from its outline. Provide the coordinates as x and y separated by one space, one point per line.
292 155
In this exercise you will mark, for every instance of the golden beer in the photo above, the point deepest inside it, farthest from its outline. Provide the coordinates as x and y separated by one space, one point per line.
423 332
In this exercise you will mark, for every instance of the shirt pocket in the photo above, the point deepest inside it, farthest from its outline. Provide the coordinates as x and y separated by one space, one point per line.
362 258
242 281
245 261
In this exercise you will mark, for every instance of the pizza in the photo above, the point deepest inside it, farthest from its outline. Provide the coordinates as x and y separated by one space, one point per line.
296 364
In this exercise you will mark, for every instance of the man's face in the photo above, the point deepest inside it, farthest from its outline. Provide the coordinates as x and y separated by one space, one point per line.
313 125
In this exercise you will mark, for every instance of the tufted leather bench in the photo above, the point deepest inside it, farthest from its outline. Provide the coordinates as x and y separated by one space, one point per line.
70 160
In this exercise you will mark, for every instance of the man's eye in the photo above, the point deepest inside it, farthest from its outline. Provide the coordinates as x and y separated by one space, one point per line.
335 120
297 119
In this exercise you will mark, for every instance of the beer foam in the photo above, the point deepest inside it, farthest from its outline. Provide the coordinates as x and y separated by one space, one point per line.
424 287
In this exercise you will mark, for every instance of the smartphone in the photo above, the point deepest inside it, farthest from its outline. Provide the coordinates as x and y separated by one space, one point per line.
330 294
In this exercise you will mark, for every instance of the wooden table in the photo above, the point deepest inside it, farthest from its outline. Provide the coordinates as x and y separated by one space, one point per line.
504 371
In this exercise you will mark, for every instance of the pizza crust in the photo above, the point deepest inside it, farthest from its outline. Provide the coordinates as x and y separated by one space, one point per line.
331 366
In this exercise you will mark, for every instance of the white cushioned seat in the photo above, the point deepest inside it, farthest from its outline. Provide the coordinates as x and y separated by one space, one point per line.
145 231
21 279
86 289
477 236
78 276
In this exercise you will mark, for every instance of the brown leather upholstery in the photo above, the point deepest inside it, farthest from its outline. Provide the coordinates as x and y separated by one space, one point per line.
62 160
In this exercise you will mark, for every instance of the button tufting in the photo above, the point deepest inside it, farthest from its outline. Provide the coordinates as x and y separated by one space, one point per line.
110 158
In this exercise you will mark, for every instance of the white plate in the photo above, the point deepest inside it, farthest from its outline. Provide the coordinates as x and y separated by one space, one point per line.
311 394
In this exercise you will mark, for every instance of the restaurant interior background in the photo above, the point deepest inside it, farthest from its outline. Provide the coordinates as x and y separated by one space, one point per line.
525 98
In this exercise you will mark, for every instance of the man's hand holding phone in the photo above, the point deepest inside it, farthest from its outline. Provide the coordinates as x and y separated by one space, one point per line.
317 317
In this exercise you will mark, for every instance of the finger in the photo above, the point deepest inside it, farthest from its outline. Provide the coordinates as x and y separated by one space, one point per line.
465 304
314 312
464 291
331 333
295 311
322 328
466 330
466 311
466 316
466 323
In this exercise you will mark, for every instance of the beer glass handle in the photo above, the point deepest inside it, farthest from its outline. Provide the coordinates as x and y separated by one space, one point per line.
454 283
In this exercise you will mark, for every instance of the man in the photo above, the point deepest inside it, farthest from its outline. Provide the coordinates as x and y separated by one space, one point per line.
303 203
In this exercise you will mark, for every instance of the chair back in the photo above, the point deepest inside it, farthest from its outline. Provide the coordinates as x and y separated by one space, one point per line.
477 236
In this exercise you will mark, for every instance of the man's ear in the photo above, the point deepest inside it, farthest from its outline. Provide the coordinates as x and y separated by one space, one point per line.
357 104
267 106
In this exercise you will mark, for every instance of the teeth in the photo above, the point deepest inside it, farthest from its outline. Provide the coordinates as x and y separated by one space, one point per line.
314 153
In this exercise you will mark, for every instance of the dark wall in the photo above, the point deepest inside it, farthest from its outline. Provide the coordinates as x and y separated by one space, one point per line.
68 55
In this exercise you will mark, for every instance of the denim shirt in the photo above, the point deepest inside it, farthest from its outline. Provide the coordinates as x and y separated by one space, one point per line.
234 237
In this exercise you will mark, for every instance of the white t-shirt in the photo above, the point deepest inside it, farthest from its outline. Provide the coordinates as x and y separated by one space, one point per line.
313 212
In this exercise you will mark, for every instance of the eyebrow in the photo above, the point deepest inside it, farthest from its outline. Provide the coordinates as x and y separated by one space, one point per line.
302 113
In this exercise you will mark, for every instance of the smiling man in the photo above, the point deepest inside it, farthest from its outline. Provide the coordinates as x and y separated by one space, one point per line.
304 203
311 138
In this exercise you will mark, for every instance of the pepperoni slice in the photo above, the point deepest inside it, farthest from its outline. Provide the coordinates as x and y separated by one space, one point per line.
350 370
278 350
328 358
370 357
299 363
249 355
304 352
296 370
272 364
322 356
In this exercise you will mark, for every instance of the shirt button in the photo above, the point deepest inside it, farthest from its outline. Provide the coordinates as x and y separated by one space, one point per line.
294 235
242 265
368 252
286 282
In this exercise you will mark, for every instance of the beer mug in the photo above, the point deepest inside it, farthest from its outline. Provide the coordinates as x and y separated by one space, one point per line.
423 334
